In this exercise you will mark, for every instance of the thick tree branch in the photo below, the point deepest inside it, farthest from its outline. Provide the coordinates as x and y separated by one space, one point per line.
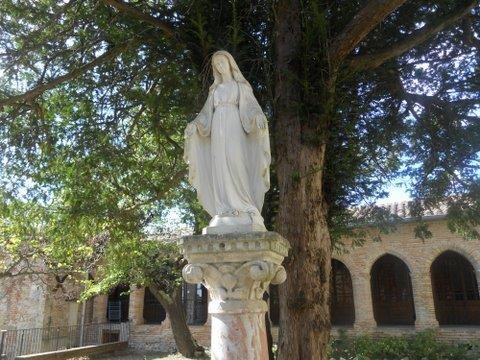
371 61
362 23
429 100
31 94
137 14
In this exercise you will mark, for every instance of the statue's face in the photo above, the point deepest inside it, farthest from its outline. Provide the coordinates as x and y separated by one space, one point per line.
221 64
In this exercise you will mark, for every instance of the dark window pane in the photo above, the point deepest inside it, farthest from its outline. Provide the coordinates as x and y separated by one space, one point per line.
274 309
153 311
392 292
118 303
195 302
455 290
342 311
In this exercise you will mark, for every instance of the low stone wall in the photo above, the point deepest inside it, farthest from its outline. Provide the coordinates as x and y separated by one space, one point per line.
454 334
445 333
150 337
160 337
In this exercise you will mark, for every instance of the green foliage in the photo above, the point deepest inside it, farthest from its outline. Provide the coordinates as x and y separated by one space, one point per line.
100 152
94 158
422 346
92 166
141 262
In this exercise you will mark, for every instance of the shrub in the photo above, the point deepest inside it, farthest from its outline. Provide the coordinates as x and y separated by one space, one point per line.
421 346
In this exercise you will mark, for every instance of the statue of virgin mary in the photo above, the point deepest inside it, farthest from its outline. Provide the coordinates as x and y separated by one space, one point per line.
227 149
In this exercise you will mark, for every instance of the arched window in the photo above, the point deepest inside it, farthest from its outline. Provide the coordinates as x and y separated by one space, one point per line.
455 290
274 306
153 311
195 302
342 311
117 304
392 292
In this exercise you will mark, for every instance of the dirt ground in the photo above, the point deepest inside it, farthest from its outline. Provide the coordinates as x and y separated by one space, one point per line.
135 355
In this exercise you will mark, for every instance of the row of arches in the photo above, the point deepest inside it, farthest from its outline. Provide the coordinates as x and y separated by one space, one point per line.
454 285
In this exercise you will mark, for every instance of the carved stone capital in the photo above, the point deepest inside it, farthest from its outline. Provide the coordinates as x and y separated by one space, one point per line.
235 281
235 268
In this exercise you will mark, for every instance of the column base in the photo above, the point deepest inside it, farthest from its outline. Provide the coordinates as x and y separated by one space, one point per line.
425 326
364 327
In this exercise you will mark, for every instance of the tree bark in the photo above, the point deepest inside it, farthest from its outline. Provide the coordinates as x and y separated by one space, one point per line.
304 297
172 304
372 14
139 15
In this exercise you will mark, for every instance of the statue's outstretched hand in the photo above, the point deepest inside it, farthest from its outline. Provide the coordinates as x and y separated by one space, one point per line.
261 122
191 128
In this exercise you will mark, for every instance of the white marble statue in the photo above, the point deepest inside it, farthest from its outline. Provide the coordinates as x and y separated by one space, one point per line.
227 149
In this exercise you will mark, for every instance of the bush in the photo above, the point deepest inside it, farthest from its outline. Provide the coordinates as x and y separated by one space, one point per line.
422 346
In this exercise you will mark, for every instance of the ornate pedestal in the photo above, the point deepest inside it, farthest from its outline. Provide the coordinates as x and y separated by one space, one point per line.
236 269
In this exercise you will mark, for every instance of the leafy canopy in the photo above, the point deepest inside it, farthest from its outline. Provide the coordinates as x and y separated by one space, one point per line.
94 97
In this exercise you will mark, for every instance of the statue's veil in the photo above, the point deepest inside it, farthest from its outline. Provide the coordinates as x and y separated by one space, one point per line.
236 73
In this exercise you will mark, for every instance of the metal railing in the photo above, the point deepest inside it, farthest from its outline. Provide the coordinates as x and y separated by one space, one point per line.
31 341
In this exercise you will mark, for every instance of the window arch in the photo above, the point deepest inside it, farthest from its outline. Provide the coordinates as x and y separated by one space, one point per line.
392 294
195 302
153 311
455 290
274 305
342 310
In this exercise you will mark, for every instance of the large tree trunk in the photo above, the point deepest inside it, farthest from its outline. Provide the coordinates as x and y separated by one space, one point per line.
304 297
172 304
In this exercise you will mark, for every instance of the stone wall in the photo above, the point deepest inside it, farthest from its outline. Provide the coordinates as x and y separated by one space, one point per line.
22 302
58 312
30 302
160 337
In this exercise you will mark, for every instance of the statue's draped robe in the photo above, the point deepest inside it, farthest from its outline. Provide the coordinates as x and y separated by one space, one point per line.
228 155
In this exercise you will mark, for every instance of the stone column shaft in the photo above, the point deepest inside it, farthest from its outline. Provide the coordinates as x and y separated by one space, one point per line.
423 300
135 307
363 302
100 308
240 333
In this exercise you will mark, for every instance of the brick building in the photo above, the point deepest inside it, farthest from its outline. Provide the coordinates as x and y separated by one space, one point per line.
403 284
399 285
